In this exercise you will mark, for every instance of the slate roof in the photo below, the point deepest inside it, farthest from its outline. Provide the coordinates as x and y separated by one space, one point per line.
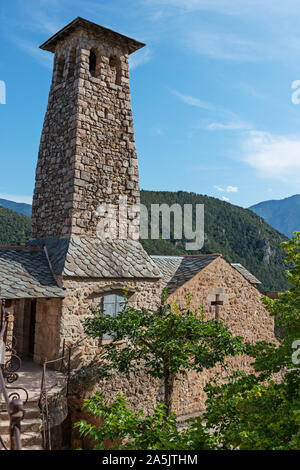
177 270
244 272
95 258
131 44
25 273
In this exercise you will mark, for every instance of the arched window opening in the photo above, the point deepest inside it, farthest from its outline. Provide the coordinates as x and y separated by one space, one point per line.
115 66
112 305
60 69
72 62
95 63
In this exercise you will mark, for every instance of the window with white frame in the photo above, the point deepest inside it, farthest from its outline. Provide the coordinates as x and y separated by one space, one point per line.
112 305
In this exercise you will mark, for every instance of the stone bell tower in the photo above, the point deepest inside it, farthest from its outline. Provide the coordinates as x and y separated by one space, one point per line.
87 154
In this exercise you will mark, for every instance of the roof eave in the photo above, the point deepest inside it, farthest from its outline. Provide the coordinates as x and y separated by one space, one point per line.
50 45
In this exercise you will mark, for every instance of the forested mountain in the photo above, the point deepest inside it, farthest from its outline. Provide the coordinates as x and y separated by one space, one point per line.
284 214
14 227
20 207
238 234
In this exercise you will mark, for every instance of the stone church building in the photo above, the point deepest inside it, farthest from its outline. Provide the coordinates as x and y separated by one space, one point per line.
87 158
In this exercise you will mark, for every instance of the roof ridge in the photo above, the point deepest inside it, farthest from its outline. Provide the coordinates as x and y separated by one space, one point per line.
188 256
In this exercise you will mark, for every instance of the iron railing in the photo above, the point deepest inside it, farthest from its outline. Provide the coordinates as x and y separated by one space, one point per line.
65 367
14 406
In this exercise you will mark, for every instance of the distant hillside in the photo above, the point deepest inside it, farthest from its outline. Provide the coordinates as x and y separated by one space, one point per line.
238 234
14 227
284 214
20 207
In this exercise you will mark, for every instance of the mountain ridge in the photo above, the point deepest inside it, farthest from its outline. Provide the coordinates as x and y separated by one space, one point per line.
238 234
20 207
282 214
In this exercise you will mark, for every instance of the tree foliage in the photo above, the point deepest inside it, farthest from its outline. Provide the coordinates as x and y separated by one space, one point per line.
120 428
262 410
14 227
167 344
257 411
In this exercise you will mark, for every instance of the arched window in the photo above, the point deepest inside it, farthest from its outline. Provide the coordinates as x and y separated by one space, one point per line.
72 62
60 69
115 66
112 305
95 63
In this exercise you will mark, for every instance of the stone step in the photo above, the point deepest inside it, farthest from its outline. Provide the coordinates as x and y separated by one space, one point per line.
33 448
29 439
28 425
30 413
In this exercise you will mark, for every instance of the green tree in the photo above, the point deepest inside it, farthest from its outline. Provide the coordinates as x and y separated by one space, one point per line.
262 410
167 344
123 429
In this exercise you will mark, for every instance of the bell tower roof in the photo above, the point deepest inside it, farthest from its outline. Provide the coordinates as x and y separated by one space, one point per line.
131 45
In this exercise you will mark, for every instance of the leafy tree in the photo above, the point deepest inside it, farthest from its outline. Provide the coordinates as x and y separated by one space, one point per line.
262 410
167 344
123 429
14 227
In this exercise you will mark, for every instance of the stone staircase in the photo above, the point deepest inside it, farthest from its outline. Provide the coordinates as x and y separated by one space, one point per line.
31 427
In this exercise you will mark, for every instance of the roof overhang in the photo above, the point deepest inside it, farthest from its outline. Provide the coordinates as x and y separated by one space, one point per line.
131 44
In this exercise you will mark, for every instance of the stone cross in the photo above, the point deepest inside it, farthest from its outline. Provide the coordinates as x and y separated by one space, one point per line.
217 303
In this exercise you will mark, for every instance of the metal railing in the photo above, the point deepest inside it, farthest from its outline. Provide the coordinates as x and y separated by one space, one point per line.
65 367
14 407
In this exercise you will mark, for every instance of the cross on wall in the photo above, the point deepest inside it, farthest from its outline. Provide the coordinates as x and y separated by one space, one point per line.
217 303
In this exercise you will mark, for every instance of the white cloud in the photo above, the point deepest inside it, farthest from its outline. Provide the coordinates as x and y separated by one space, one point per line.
229 189
192 101
230 126
45 17
221 46
230 7
157 131
16 198
225 199
43 57
273 156
234 121
232 189
140 58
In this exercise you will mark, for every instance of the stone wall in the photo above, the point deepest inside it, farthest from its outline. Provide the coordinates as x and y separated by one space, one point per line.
65 322
87 153
243 312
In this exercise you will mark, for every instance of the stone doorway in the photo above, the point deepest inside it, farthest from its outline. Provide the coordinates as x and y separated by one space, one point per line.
24 328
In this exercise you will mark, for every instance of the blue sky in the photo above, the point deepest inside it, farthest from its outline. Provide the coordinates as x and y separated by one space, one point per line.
211 92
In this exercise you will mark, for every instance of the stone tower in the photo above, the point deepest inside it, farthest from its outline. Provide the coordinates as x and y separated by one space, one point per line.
87 154
87 160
